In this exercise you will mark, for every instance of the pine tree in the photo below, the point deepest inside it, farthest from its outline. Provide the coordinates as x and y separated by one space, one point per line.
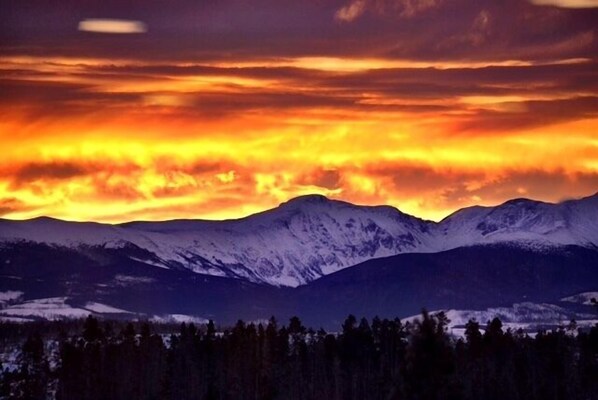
430 363
33 373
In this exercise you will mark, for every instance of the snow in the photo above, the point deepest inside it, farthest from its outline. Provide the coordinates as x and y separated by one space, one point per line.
570 222
298 242
526 316
4 318
150 262
10 295
582 298
126 280
49 308
104 309
179 318
53 308
311 236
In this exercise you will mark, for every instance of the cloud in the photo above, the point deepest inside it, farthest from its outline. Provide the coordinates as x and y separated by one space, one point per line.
526 114
413 180
351 11
53 170
120 188
400 8
567 3
414 188
427 105
112 26
12 204
124 90
410 8
102 174
552 186
162 190
330 179
267 29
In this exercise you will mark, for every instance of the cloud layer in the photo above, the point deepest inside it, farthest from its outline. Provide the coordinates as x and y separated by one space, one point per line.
223 108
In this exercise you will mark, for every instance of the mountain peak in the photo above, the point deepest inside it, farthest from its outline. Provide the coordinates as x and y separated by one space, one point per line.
44 218
311 236
309 201
318 202
520 202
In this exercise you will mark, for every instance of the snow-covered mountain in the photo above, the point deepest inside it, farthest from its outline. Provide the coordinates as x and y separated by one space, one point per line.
312 236
523 221
40 281
297 242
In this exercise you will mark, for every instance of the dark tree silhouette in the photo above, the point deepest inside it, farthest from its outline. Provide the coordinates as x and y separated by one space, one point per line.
377 359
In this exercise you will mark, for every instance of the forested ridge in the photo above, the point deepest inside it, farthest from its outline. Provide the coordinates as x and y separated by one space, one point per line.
377 359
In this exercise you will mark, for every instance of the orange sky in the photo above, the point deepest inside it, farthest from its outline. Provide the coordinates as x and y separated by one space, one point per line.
112 138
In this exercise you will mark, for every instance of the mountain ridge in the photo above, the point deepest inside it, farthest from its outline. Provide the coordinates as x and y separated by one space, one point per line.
316 198
57 282
312 236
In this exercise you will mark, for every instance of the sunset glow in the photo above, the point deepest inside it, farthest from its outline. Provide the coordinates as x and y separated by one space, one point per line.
222 116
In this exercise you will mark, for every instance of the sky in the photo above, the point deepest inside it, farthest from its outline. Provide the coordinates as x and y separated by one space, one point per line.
125 110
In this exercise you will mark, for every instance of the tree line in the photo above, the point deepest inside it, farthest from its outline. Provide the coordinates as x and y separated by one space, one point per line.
381 359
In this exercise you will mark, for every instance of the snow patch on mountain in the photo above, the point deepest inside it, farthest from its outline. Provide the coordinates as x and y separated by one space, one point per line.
179 318
103 308
126 280
54 308
527 316
582 298
523 220
10 295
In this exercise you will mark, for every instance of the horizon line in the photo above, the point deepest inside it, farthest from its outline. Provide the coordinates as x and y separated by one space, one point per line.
312 195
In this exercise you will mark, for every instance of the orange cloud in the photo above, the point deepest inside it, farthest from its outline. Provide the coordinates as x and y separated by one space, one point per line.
88 140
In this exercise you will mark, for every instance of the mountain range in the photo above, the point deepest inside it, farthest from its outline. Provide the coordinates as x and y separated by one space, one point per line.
308 252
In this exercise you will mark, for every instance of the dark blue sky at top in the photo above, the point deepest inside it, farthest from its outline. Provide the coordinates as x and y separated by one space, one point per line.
231 29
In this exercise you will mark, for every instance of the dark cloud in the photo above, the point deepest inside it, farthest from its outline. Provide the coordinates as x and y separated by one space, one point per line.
196 167
124 189
30 174
411 90
355 9
174 191
412 179
235 29
531 114
161 70
214 103
325 178
492 80
43 98
538 184
53 170
448 189
12 204
398 81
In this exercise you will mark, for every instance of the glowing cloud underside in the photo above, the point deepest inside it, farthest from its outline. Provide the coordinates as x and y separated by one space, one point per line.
112 26
568 3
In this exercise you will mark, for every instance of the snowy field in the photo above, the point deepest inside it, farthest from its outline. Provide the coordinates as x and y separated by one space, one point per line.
529 317
53 308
